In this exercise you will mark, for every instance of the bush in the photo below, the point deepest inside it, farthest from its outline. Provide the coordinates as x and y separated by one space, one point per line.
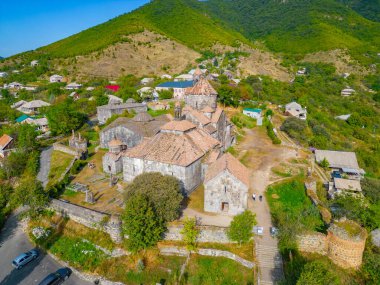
271 134
241 227
317 272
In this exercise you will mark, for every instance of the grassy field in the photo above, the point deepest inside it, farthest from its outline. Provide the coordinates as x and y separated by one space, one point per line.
59 162
204 270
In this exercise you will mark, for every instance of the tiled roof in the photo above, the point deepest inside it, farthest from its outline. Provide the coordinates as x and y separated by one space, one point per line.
210 129
198 71
208 109
202 87
200 117
180 126
338 159
35 104
177 149
216 116
142 117
347 184
228 163
5 140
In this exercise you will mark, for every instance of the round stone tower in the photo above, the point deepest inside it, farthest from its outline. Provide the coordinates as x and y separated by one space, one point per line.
346 242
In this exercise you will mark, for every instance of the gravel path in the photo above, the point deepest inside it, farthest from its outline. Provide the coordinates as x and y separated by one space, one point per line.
45 159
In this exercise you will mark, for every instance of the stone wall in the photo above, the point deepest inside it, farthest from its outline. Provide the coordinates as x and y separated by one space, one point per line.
89 218
65 149
199 102
127 136
315 243
206 252
343 250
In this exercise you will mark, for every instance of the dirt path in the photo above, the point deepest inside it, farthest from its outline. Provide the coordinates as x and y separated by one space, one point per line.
258 152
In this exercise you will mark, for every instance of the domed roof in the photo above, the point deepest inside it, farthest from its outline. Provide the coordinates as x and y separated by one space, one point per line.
130 100
115 142
143 117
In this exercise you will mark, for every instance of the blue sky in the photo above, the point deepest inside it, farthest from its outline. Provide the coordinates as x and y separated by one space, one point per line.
29 24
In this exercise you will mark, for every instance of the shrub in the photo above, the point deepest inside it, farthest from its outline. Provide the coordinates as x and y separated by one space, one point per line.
317 272
241 227
190 233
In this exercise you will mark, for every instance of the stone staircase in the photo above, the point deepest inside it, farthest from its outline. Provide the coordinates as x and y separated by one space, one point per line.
269 262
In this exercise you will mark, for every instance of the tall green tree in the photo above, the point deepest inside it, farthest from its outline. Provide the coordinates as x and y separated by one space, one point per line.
142 225
317 273
190 233
229 95
63 118
162 191
241 227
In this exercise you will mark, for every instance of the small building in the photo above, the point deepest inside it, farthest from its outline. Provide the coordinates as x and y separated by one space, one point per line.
226 186
3 74
6 143
301 72
345 186
157 106
41 124
113 159
166 76
295 110
343 117
14 85
342 161
106 111
73 86
23 119
32 107
112 99
347 92
147 80
55 78
29 88
146 92
253 113
184 77
79 144
18 104
34 63
178 87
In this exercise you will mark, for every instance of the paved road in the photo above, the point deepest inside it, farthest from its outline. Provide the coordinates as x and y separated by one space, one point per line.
13 241
45 158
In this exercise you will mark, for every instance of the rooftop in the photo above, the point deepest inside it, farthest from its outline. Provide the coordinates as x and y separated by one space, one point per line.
5 140
347 184
338 159
176 84
180 126
202 87
228 163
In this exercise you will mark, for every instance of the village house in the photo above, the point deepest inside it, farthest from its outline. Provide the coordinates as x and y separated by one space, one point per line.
156 106
343 162
41 124
24 119
146 81
166 76
55 78
3 74
184 77
29 88
32 107
14 85
112 88
73 86
253 113
131 131
295 110
147 92
343 186
178 87
112 99
34 63
226 186
301 72
6 144
79 145
106 111
347 92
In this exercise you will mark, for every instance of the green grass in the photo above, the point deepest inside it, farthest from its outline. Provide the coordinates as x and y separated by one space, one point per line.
69 193
59 162
203 270
242 121
155 113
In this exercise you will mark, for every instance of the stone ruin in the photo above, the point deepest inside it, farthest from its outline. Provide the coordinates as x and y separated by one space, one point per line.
344 243
79 144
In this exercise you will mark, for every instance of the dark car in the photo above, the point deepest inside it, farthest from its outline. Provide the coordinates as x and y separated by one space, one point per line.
57 277
25 258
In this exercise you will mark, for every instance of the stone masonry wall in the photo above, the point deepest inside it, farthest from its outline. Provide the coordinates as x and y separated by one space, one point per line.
206 234
316 242
65 149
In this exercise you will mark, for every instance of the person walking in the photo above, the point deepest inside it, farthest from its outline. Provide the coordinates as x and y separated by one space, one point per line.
261 198
254 197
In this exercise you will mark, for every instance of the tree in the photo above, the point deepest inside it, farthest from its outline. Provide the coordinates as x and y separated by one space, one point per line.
241 227
316 273
26 138
165 94
163 192
190 233
228 95
63 118
324 163
140 222
31 193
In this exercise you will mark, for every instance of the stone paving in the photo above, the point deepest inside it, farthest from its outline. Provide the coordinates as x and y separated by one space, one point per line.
45 159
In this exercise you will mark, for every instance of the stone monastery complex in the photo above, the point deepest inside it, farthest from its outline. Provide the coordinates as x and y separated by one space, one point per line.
189 146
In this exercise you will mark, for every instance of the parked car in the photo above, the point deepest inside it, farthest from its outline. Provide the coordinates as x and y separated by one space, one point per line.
25 258
258 230
57 277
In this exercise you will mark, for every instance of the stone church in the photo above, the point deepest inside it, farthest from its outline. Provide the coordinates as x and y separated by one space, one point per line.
183 147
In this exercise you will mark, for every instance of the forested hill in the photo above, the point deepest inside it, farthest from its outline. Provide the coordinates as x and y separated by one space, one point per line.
292 27
301 26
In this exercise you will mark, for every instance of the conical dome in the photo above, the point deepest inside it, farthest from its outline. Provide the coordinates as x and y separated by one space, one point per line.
143 117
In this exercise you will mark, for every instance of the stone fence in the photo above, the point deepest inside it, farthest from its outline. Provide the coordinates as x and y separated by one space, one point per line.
180 251
112 224
65 149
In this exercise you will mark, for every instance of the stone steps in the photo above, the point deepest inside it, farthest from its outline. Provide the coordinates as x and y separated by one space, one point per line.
269 263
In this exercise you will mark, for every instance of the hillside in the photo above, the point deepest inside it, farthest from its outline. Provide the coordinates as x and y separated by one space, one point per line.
172 18
298 26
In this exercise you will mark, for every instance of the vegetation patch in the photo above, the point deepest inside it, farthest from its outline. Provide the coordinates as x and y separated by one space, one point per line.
59 162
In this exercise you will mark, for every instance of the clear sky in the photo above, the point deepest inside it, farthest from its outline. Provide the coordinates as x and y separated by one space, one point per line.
29 24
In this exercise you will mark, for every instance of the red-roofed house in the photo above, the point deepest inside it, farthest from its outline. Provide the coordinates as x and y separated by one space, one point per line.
6 143
113 88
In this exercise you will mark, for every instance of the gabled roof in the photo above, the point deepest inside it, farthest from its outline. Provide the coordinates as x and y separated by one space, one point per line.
35 104
293 105
113 88
228 163
347 184
254 110
338 159
5 140
202 87
22 118
180 126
